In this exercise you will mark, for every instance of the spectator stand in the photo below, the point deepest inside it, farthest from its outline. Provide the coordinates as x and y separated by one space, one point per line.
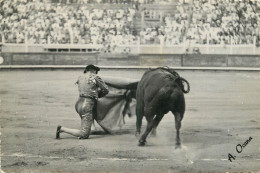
52 24
223 22
165 25
228 27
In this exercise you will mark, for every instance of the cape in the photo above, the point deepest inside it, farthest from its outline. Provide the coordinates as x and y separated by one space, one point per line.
120 101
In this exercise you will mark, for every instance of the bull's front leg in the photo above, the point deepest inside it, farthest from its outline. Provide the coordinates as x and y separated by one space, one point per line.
150 126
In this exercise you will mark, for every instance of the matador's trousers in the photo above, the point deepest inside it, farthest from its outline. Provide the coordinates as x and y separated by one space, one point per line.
86 108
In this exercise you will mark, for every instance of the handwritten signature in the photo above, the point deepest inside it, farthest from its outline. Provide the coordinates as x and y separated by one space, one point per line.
239 149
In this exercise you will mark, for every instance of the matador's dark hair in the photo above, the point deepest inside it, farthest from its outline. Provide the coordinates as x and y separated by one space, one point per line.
88 67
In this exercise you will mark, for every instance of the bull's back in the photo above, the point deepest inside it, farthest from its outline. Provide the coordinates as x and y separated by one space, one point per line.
153 81
154 87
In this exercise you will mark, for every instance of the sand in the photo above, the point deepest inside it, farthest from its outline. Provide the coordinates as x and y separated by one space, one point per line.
222 111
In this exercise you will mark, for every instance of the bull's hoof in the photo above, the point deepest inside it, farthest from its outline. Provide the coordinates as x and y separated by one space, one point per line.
141 143
178 146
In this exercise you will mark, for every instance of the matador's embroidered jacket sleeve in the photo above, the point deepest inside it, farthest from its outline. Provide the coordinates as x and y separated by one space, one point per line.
103 87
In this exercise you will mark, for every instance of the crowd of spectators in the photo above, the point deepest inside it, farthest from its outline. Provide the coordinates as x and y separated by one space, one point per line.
224 22
205 21
41 23
172 27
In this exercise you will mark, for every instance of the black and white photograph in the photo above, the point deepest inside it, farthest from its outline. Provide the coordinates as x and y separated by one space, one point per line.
142 86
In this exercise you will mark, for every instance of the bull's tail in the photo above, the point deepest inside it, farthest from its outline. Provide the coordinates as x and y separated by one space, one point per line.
182 82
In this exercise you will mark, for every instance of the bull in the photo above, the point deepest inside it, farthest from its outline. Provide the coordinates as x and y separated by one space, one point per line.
160 90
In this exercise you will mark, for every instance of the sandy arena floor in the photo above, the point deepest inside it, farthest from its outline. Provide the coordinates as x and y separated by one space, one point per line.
223 110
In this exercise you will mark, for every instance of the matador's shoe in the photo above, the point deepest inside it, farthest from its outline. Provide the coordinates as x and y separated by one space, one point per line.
58 132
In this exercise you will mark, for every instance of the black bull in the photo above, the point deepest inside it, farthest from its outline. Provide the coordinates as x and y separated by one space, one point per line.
159 91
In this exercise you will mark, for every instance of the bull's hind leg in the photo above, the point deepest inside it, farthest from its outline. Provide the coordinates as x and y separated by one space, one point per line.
139 119
150 126
178 118
139 113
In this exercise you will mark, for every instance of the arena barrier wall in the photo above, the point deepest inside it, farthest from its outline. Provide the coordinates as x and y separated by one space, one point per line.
172 60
